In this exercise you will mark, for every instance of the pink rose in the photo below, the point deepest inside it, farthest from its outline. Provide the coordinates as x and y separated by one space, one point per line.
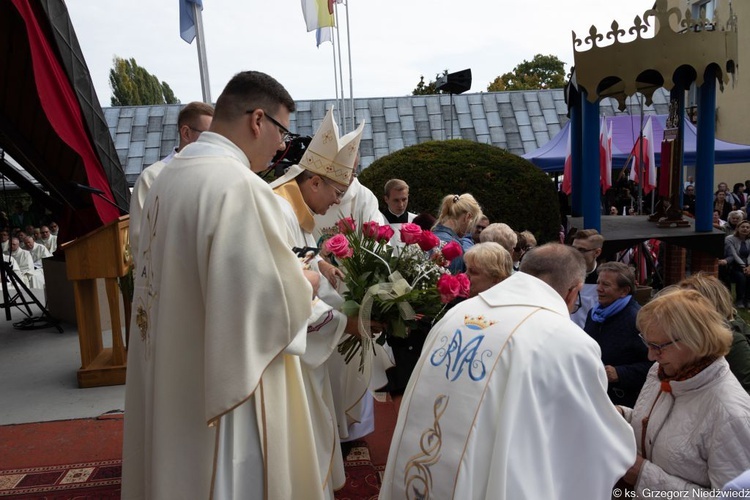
346 225
428 241
465 284
449 287
385 233
370 229
452 250
410 233
338 245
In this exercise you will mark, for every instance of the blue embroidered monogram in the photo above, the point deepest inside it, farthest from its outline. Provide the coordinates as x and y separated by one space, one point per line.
458 357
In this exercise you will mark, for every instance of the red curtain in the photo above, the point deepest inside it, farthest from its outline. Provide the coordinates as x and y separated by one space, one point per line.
62 109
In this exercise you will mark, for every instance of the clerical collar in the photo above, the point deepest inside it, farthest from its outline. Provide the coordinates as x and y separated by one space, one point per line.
396 219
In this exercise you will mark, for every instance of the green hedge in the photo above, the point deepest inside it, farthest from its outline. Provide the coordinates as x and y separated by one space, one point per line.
509 188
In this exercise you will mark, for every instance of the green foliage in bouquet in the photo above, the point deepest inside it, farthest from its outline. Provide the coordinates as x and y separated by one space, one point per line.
509 188
393 287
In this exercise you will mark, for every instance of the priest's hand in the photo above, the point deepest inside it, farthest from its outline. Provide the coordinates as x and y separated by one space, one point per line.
331 272
314 279
611 373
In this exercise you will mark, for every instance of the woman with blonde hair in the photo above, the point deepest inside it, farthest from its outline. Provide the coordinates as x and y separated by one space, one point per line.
692 418
458 215
739 353
487 264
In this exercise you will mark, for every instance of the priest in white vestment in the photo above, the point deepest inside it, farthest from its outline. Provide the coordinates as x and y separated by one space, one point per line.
509 398
357 421
193 120
38 252
32 277
215 404
49 240
313 187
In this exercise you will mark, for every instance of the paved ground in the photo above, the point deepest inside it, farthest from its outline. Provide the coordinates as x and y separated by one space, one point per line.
38 372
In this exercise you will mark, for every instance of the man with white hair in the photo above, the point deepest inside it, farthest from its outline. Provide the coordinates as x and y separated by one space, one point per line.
33 277
38 252
509 398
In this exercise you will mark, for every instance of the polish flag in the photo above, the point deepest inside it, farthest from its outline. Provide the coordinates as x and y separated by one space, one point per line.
605 155
644 169
568 170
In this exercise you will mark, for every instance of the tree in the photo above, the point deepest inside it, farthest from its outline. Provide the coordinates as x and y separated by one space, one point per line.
428 89
132 85
542 72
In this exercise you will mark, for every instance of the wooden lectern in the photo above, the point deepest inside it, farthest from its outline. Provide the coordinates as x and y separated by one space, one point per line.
99 254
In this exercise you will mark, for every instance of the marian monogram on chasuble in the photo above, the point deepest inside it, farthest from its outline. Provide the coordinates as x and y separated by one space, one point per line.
145 302
463 358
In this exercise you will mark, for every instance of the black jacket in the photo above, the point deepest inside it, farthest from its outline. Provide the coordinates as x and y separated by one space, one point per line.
622 348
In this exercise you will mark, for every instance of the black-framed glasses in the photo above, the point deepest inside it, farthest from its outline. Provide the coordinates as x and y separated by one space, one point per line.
657 347
286 135
339 193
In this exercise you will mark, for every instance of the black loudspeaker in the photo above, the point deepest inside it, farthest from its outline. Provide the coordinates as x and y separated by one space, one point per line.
455 83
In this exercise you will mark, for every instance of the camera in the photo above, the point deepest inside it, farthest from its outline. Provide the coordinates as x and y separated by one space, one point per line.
292 155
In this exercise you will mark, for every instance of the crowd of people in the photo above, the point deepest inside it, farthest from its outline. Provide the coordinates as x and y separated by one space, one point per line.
549 381
24 247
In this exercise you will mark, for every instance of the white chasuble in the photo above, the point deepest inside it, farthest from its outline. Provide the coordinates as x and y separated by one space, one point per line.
325 329
219 298
508 401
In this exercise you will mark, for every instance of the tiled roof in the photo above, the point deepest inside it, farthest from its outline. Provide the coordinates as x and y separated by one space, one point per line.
519 121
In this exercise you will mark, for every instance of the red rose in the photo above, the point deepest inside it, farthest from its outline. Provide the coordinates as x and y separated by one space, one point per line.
338 245
346 225
428 241
370 229
385 233
465 284
410 233
452 250
449 287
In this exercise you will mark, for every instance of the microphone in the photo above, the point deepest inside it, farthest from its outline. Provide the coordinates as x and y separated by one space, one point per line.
98 192
86 189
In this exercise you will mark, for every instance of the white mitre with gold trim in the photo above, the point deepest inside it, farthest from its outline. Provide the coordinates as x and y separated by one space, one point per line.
332 156
328 155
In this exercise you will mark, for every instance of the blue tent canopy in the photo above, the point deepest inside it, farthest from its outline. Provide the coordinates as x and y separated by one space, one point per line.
625 131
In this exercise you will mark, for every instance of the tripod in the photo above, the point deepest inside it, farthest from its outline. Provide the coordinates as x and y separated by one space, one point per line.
18 300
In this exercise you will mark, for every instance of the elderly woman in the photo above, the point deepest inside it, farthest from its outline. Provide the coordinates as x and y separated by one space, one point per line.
487 264
733 219
739 353
692 418
458 216
612 324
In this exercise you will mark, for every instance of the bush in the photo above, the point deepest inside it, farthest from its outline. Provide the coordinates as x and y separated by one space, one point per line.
509 188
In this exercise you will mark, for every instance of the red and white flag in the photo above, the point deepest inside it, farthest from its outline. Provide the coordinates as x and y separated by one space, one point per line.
605 155
568 169
644 169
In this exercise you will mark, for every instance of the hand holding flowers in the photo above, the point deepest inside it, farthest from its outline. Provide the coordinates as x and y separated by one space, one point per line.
390 287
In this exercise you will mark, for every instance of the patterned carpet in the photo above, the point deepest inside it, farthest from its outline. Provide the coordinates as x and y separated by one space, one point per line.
92 480
363 479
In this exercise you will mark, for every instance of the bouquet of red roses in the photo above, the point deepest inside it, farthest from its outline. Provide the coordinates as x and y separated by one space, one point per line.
394 286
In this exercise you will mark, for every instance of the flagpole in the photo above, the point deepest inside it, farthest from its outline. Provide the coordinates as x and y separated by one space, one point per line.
341 71
335 78
202 61
351 80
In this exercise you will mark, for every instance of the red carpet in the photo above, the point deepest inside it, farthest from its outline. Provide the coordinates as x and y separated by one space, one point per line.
81 459
62 460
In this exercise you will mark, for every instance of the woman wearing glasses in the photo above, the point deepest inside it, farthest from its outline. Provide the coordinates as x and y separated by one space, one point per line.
692 418
611 322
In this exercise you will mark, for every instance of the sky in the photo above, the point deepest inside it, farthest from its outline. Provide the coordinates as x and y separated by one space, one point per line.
392 43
